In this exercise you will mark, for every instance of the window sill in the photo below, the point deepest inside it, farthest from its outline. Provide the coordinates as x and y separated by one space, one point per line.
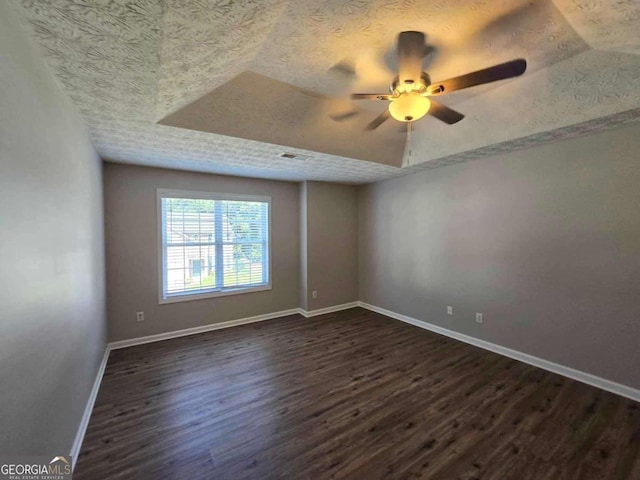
187 297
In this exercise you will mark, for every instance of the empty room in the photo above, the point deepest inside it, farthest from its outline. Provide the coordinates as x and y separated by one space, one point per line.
350 239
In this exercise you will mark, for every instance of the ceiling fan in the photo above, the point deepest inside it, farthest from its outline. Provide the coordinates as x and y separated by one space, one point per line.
410 92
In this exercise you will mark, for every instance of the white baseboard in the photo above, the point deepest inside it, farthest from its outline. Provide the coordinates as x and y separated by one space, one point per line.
322 311
86 416
231 323
204 328
578 375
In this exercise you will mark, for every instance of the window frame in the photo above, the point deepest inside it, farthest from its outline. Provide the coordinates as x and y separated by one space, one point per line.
198 195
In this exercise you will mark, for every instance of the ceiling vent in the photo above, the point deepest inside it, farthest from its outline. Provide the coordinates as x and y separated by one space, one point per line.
297 156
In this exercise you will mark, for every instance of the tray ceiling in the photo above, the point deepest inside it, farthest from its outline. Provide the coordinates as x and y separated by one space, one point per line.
130 64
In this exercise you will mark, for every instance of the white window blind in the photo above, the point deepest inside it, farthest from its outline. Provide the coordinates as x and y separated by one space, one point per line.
212 244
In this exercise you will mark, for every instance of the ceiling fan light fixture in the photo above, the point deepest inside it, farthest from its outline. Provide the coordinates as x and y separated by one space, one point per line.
410 88
409 107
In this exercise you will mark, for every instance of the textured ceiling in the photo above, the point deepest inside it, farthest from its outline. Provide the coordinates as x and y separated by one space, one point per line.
128 64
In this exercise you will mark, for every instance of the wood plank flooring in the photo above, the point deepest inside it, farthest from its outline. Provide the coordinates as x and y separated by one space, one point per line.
351 395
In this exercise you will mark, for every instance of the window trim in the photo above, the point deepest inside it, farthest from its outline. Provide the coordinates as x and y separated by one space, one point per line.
197 195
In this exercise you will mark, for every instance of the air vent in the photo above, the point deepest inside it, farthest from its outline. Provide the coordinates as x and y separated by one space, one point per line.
297 156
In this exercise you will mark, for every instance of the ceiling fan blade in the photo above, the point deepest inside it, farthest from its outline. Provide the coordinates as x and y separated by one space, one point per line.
411 51
341 117
309 93
379 120
370 96
346 67
503 71
444 113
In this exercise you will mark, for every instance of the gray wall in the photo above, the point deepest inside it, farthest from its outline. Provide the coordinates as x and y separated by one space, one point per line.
132 251
52 319
545 242
331 244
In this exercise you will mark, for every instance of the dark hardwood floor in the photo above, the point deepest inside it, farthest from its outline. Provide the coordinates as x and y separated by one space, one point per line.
350 395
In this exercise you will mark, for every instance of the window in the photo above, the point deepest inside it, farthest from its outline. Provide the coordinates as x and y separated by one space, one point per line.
212 244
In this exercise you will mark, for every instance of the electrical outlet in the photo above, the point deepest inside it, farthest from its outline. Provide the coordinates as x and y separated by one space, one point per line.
479 318
449 310
314 294
140 316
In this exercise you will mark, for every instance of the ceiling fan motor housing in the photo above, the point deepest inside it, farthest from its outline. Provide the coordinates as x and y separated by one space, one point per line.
396 88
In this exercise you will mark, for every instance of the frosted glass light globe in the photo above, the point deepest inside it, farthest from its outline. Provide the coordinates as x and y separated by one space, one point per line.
409 107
